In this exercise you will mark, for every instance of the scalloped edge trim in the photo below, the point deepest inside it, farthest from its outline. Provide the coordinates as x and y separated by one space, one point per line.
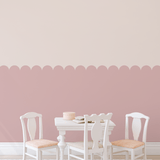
81 67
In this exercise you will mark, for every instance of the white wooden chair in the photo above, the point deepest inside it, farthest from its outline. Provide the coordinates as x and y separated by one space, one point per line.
94 147
38 145
132 146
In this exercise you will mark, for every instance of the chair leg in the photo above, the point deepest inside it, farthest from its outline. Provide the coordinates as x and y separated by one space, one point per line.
127 155
105 156
111 153
38 155
57 153
24 153
92 156
69 153
85 156
144 152
132 155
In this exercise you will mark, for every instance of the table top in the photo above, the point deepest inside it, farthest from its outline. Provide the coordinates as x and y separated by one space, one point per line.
62 124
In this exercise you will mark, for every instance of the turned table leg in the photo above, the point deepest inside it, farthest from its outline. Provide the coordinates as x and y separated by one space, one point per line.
62 143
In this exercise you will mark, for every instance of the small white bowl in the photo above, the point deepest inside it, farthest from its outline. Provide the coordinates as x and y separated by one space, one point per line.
68 115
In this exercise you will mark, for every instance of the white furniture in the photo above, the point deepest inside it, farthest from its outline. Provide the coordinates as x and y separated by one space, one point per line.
132 146
66 125
92 147
36 144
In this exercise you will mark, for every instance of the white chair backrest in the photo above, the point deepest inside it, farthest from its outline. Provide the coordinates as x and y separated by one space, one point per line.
136 126
31 125
96 131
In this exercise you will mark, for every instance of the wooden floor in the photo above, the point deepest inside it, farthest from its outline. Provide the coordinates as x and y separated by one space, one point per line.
53 157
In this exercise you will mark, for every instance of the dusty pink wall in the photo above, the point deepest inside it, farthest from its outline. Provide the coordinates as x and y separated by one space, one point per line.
85 91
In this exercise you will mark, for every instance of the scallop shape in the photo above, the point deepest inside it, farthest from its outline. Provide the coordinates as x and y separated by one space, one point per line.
4 68
113 68
135 68
47 68
36 68
102 68
156 68
124 68
123 72
146 68
36 71
47 75
91 68
80 68
14 68
15 74
69 68
58 71
25 68
58 68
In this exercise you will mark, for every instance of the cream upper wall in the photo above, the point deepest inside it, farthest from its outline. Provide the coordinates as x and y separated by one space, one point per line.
87 32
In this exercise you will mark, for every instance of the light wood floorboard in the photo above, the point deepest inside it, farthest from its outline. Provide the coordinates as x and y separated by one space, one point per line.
53 157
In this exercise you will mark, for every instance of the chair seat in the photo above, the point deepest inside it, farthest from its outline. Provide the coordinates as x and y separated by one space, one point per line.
128 143
80 145
41 143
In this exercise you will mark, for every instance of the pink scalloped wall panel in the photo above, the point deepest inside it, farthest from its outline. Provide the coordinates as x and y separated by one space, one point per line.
52 91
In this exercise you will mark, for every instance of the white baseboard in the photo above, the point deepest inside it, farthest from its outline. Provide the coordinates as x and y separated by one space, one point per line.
15 148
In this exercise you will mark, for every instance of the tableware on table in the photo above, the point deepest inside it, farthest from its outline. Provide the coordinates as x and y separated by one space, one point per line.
68 115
